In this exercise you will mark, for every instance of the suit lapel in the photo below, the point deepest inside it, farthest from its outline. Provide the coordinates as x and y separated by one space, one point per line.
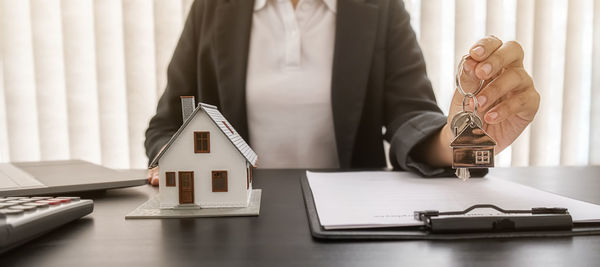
354 45
232 37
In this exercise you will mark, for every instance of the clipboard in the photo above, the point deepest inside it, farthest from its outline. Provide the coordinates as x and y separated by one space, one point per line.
425 233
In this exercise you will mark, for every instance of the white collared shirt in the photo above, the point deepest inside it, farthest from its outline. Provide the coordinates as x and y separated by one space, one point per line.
288 86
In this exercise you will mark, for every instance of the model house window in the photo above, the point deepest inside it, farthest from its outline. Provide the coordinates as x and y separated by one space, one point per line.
170 178
248 174
219 181
482 157
201 142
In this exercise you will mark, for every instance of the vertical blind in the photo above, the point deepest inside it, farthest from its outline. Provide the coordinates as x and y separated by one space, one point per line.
81 78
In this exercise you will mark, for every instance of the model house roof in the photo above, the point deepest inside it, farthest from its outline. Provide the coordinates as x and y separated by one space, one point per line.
225 127
473 137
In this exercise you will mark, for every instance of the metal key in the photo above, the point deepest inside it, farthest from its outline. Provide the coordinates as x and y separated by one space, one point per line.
462 119
463 173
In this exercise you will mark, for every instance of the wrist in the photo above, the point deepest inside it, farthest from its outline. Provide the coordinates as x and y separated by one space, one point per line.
443 148
435 150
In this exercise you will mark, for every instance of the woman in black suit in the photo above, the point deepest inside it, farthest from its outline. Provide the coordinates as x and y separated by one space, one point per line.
376 79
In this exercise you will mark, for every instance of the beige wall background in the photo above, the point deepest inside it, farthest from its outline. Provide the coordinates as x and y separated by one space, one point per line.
80 78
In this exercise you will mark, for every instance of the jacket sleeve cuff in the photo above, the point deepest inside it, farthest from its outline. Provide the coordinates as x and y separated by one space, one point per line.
156 147
413 132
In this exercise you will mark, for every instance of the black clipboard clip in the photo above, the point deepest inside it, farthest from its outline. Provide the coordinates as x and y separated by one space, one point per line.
535 219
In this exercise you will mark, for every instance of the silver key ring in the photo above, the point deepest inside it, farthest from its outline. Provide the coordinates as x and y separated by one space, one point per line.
467 95
459 74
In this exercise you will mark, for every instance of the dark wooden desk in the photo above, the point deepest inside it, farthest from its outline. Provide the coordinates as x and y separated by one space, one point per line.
280 235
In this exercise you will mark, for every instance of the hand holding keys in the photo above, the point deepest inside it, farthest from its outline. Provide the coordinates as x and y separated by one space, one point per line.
492 105
471 147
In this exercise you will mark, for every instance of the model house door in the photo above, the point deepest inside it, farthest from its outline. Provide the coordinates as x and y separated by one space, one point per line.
186 187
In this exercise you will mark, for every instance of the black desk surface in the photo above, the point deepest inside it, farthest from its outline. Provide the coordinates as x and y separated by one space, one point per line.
280 235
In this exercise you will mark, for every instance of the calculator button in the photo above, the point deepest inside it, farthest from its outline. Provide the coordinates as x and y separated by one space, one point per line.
18 201
40 198
10 211
70 198
49 202
61 200
36 204
24 208
6 205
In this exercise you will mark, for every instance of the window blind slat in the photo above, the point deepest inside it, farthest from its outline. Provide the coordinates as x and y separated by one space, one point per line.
168 23
494 19
437 43
548 73
50 79
140 71
3 126
469 26
19 81
509 20
112 91
80 70
595 93
578 77
524 35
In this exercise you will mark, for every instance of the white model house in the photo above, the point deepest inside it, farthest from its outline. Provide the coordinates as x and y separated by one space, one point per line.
206 163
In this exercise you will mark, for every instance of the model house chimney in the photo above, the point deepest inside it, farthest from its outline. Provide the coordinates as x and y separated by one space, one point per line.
188 103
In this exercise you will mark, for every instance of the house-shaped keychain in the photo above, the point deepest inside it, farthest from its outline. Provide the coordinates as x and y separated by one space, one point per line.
473 148
206 163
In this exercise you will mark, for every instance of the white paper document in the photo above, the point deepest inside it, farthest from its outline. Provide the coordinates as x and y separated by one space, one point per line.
388 199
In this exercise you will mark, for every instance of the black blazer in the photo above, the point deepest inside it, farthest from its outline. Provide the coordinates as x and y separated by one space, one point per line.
379 79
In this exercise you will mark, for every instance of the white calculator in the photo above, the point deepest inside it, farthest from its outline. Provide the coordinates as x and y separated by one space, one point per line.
25 218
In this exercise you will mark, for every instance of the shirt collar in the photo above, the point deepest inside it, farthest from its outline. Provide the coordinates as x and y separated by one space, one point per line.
331 4
259 4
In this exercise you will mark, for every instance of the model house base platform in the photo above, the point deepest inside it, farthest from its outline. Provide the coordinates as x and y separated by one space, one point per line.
151 210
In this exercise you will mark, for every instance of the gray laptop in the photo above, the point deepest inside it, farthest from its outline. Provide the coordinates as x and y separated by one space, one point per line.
56 177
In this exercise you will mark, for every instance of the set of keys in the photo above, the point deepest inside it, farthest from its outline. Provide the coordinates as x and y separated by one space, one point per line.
472 147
